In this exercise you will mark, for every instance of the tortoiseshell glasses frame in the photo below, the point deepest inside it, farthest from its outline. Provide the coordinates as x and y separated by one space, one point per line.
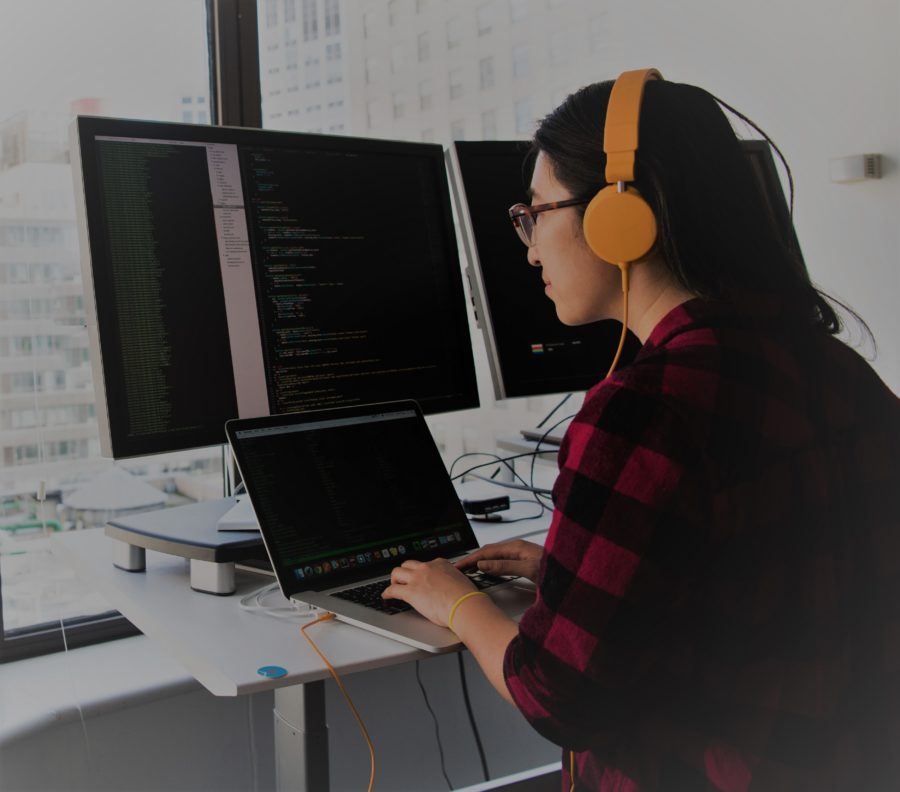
523 216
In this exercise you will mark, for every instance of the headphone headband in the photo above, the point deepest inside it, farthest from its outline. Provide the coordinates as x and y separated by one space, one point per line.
623 113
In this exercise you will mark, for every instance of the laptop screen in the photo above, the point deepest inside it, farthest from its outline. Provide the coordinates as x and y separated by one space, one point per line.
346 494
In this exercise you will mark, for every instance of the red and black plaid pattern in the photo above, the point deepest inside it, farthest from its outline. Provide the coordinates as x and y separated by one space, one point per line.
719 603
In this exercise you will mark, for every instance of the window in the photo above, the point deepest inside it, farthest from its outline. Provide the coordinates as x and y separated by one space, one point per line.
520 61
456 83
399 103
48 426
485 19
518 10
524 117
310 21
489 125
373 113
425 95
454 33
333 66
271 13
371 69
313 71
332 18
368 24
290 10
393 12
396 59
486 73
424 47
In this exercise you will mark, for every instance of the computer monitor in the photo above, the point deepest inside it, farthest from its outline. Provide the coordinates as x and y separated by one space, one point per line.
530 351
241 272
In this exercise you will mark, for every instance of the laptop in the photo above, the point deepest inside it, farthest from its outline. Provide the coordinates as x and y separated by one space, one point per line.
343 496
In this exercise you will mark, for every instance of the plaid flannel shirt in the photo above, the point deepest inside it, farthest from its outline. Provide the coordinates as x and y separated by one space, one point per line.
718 604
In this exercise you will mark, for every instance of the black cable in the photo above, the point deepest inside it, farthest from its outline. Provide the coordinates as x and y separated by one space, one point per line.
512 485
505 460
437 728
549 415
495 458
465 690
543 437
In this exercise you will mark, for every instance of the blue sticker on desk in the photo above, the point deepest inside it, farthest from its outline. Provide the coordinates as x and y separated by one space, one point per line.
272 672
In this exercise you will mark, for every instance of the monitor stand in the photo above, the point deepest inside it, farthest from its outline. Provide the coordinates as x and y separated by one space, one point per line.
239 517
190 532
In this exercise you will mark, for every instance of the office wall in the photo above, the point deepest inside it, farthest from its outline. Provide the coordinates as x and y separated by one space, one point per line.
822 77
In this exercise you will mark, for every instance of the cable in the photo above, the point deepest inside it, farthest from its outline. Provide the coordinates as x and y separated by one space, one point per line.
537 452
465 691
337 678
253 602
612 368
437 728
511 485
549 415
495 458
87 742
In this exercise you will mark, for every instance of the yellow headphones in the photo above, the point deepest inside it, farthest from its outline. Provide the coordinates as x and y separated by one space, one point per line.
619 225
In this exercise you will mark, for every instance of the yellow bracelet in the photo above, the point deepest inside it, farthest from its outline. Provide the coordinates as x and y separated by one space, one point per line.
459 602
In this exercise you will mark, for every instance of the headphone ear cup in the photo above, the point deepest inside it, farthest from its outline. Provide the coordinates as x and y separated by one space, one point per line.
619 227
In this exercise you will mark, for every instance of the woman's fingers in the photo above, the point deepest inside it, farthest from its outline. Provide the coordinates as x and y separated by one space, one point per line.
514 550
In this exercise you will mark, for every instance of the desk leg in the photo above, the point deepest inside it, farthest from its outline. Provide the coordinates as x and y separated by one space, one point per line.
301 738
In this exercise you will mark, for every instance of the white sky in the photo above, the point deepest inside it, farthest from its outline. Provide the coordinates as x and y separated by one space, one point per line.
139 56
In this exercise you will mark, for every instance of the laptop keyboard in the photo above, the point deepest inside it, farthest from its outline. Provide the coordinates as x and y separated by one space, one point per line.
369 595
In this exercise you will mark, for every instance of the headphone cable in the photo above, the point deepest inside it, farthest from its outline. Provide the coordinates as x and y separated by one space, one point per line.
612 368
337 678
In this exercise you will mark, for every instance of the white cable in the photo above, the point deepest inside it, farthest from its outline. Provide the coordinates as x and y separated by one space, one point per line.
253 602
87 742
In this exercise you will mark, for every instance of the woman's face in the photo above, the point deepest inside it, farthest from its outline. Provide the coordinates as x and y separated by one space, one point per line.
583 287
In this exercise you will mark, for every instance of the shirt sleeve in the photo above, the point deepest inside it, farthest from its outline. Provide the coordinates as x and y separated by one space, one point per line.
617 562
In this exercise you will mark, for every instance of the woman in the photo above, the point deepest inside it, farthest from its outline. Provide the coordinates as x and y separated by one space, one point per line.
717 598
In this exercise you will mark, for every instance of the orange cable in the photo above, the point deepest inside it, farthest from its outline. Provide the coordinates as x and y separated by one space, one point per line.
612 368
337 678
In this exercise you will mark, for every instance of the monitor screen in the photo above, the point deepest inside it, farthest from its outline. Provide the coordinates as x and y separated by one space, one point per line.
529 350
243 272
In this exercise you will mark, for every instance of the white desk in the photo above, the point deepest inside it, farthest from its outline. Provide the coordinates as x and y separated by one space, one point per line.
223 646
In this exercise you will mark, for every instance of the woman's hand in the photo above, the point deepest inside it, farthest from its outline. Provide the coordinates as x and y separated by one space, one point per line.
517 557
431 587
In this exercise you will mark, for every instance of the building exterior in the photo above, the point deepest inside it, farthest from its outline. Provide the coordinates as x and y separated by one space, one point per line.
46 393
428 69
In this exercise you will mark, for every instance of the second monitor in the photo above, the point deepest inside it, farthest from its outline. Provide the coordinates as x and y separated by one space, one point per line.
531 353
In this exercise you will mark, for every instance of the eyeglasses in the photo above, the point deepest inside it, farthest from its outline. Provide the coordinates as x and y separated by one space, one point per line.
524 220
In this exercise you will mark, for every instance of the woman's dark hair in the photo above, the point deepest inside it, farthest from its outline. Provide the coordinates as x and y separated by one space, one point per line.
715 233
